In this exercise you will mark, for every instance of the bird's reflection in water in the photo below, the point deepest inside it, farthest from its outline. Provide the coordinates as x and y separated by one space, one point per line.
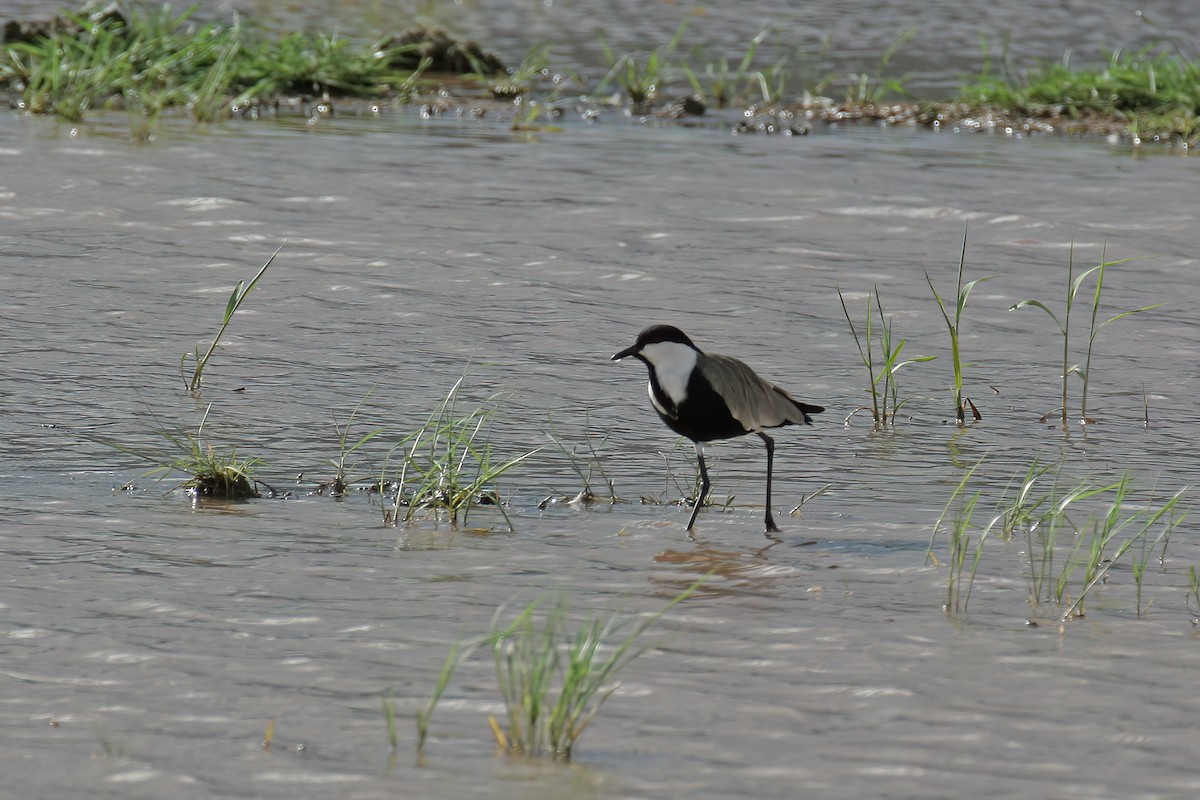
729 572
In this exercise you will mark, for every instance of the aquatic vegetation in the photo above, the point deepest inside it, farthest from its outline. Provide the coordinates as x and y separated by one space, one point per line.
552 678
389 717
552 682
1066 560
316 64
268 735
883 386
723 85
1169 515
962 509
425 716
236 297
213 472
149 59
1023 512
640 81
341 480
591 460
963 291
448 465
1193 596
146 56
1064 326
1156 90
865 88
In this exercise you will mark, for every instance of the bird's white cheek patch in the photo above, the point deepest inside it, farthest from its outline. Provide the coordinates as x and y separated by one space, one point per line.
673 365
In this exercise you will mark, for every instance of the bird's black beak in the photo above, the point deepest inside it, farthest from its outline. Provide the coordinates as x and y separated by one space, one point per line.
626 353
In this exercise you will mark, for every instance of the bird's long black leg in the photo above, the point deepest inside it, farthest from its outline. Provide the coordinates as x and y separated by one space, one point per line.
769 521
704 485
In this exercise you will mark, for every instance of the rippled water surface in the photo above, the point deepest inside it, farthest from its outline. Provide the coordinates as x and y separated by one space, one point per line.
147 644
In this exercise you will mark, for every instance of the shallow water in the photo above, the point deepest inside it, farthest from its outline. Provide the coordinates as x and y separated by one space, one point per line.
147 643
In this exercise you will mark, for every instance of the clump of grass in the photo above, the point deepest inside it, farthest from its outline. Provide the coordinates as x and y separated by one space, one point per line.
641 81
448 465
1074 285
866 88
1092 550
883 386
1067 560
553 682
591 460
534 68
236 297
1022 513
212 472
1169 515
963 291
314 64
341 480
723 85
962 508
1156 90
150 59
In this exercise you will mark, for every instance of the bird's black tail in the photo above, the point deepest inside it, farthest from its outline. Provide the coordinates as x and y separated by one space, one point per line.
806 409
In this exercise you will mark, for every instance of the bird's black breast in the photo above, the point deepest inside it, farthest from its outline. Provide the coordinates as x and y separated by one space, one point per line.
703 416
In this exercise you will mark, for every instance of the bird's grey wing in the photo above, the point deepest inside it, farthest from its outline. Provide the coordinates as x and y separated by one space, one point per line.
754 401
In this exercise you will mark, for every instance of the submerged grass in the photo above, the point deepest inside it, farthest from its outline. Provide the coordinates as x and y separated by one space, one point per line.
552 682
212 472
1074 285
1066 559
640 81
236 298
1155 91
552 679
591 461
963 291
883 386
448 466
342 465
147 58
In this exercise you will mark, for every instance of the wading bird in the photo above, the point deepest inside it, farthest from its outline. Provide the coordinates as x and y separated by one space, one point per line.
708 396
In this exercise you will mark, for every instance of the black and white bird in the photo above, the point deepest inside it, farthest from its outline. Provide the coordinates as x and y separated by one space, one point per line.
708 396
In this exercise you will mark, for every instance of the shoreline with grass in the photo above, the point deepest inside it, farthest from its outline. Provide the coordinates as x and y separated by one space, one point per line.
146 60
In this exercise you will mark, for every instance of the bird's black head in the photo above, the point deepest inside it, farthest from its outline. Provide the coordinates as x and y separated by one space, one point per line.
653 335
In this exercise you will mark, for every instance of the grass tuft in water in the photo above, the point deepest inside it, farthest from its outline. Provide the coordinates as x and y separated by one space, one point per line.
962 509
448 465
425 715
641 81
871 88
1193 596
963 291
553 682
883 387
212 472
342 479
1074 285
1156 90
723 85
148 58
591 460
236 298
